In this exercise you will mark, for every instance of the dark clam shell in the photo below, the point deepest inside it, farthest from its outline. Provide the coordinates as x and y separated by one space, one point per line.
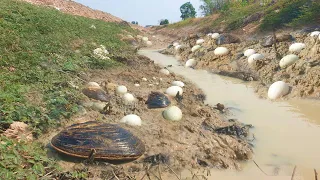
157 100
96 93
110 141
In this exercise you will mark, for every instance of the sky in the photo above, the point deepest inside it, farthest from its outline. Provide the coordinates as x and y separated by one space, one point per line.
146 12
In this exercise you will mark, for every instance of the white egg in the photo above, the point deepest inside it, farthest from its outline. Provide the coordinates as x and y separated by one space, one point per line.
144 79
254 57
132 120
215 35
249 52
288 60
98 106
175 44
149 43
177 83
221 51
195 48
128 98
172 113
297 47
93 84
164 71
278 89
137 85
173 90
145 39
121 90
200 41
315 33
191 63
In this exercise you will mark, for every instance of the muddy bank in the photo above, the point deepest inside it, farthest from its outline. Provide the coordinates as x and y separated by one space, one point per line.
199 140
303 76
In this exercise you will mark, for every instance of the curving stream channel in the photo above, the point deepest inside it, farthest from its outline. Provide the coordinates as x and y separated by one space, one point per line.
287 133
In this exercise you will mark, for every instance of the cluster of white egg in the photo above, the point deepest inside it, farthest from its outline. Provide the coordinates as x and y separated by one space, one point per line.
252 56
280 88
173 113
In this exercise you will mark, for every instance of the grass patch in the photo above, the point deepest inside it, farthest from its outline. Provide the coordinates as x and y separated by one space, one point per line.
42 52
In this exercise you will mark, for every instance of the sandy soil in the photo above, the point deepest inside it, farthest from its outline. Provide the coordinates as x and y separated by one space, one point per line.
303 76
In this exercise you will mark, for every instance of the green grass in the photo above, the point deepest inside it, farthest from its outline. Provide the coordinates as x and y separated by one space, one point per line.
291 13
42 51
47 49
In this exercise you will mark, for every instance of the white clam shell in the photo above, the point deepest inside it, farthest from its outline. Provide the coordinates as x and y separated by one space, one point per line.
121 90
195 48
173 90
221 51
172 113
215 35
254 57
297 47
177 83
278 89
249 52
315 33
145 39
93 84
191 63
132 120
164 71
144 79
137 85
128 98
288 60
200 41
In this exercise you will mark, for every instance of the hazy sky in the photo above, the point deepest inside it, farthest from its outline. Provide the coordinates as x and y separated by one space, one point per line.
146 12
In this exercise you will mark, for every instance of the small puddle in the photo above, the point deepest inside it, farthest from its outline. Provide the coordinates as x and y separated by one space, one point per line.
286 133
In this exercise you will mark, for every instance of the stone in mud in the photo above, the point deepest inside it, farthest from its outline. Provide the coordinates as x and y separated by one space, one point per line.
96 93
227 39
268 41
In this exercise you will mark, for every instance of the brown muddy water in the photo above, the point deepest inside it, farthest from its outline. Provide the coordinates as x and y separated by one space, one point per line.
287 133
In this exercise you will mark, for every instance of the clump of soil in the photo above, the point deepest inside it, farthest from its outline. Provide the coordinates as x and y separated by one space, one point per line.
186 144
302 76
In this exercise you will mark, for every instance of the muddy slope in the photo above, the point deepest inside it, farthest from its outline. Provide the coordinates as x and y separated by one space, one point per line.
303 76
189 143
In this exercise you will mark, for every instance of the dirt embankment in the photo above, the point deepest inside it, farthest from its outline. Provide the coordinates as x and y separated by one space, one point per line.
303 76
191 143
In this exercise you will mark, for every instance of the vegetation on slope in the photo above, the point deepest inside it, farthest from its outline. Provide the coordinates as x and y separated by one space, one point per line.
235 14
42 53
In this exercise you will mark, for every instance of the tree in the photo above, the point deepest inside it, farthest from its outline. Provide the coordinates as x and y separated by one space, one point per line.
187 11
207 7
164 21
134 22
